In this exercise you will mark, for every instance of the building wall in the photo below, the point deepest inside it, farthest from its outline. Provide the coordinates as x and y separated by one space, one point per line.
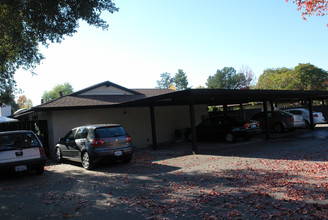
136 121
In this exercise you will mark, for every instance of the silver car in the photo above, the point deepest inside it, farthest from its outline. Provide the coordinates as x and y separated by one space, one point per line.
92 143
317 116
279 121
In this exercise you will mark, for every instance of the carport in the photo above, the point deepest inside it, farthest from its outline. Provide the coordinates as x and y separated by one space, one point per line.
225 97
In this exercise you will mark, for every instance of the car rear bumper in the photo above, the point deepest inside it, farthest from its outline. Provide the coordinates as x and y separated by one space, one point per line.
318 120
115 153
29 165
254 131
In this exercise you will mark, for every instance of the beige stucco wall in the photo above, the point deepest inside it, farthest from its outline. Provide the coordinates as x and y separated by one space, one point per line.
135 120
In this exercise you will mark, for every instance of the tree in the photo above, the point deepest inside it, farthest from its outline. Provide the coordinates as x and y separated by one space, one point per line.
274 79
165 81
24 102
311 7
309 77
302 77
26 24
56 92
179 81
249 76
228 78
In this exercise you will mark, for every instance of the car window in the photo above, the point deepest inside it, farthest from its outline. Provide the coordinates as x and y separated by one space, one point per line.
237 118
206 123
70 135
285 113
225 121
108 132
81 133
295 112
18 140
30 140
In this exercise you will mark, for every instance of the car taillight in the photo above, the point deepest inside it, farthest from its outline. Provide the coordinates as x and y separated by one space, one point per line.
42 152
97 142
258 124
128 139
246 125
315 115
291 118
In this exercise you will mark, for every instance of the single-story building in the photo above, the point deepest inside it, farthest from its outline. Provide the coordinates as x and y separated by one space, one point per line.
150 116
109 103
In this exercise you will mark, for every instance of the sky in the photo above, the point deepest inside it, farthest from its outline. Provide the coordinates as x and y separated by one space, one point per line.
147 38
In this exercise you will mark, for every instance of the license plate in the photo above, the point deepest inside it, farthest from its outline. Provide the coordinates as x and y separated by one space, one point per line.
20 168
118 153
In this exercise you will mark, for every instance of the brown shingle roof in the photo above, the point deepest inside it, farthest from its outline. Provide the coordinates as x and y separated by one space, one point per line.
76 100
91 100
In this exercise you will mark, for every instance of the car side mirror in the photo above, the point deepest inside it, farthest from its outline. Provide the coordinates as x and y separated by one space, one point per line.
62 140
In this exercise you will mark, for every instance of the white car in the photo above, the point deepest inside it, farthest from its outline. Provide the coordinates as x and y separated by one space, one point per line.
21 151
317 116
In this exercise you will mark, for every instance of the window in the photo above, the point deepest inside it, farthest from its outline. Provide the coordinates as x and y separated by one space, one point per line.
70 135
295 112
81 133
108 132
30 140
18 140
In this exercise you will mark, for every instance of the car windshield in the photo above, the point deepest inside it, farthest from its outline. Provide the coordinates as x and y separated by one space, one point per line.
18 140
108 132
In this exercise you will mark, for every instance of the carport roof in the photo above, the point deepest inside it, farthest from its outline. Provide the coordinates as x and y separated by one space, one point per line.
161 97
229 96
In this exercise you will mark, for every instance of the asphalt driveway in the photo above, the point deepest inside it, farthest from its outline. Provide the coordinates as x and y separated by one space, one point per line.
284 177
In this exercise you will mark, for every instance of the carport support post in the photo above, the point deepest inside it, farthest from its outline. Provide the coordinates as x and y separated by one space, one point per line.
242 110
225 109
153 128
266 120
193 127
272 106
311 113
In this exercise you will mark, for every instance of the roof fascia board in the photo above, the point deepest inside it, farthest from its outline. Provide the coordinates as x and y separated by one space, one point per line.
106 83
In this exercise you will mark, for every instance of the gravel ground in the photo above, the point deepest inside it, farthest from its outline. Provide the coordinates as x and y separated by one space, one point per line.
281 178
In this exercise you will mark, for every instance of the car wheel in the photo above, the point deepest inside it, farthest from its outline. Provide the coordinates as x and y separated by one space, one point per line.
40 170
127 159
307 124
229 137
86 161
59 155
278 128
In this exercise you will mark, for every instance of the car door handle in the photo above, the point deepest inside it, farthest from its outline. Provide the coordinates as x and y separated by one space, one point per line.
19 153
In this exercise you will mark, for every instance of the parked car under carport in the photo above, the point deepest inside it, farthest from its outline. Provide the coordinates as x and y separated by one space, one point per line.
227 127
279 121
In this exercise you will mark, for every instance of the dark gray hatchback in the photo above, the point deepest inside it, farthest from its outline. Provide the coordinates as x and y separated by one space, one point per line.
92 143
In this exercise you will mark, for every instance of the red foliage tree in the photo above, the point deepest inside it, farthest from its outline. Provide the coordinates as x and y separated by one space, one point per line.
311 7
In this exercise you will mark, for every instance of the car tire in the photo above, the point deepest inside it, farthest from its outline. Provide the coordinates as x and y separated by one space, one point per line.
59 155
278 128
127 159
229 137
86 161
40 170
307 124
